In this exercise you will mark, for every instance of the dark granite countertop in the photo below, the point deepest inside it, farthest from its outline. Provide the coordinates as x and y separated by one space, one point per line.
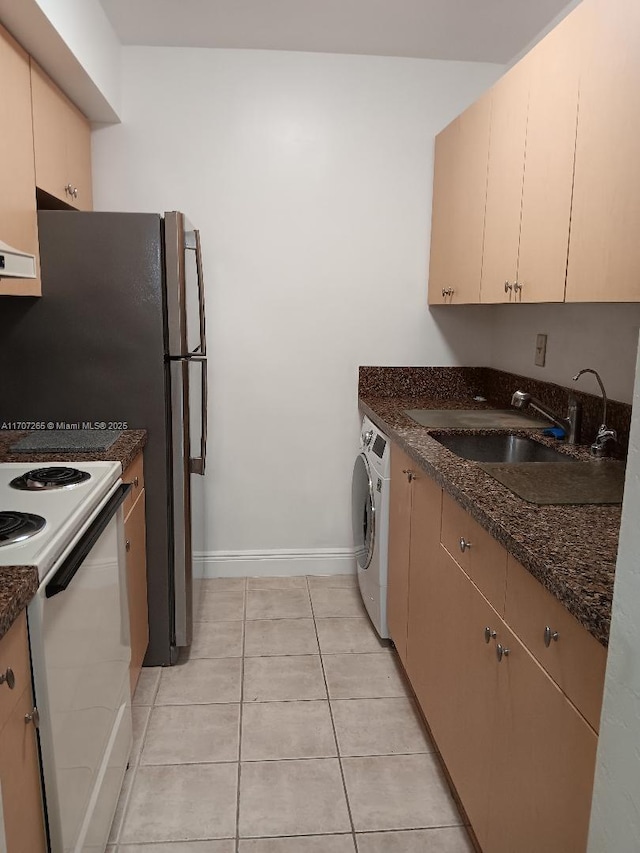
18 584
571 550
123 450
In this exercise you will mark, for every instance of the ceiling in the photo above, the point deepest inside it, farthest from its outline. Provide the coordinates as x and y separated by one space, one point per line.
478 30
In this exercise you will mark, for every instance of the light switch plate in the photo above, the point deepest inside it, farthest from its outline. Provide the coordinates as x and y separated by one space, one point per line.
541 350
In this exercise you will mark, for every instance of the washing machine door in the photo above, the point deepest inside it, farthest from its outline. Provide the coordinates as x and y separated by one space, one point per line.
362 511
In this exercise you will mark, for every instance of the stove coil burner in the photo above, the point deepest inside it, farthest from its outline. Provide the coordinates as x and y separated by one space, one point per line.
49 478
17 526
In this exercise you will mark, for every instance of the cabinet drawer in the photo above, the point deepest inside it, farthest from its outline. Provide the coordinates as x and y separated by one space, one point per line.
14 655
134 474
475 551
575 660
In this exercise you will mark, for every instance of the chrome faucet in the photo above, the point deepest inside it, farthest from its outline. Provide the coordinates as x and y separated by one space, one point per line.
605 434
570 424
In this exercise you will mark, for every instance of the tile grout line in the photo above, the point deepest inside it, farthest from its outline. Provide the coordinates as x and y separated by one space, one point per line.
333 724
244 639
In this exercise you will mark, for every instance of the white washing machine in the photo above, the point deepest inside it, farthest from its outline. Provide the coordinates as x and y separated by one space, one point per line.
370 519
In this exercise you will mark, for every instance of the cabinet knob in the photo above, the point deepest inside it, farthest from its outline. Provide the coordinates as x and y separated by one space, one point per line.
68 190
135 482
501 652
33 717
464 545
517 287
410 475
8 677
507 287
127 545
550 635
489 634
75 192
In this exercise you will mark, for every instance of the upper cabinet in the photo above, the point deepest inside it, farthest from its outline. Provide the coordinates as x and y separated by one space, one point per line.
503 201
18 218
459 188
548 237
604 250
62 138
554 73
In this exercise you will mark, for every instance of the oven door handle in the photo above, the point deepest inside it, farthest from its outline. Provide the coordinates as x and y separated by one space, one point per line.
76 557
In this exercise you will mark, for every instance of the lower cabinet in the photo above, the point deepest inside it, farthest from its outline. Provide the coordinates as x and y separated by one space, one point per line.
456 677
136 544
512 726
543 761
399 539
20 789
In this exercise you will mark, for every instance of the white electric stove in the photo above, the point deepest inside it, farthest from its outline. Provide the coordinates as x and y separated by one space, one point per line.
67 520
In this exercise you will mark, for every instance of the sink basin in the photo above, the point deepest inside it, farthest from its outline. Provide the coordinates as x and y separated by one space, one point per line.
510 449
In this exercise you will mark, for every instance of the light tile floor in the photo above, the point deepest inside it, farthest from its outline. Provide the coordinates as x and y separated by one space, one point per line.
288 728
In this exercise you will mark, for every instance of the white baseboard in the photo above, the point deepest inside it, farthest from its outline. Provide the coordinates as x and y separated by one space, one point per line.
287 563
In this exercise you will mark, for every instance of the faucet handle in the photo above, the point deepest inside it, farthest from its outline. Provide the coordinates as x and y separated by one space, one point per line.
605 436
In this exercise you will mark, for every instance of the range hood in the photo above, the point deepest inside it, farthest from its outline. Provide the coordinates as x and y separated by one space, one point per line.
16 264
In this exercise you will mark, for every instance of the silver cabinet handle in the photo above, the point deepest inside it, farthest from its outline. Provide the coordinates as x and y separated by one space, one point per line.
135 482
464 545
68 190
127 545
8 677
507 287
517 287
33 717
410 475
489 634
550 635
501 652
447 291
75 192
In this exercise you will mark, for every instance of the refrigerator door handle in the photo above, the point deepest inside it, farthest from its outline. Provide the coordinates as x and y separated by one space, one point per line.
197 464
203 330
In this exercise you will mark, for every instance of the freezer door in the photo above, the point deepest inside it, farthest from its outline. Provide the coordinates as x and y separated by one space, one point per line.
184 287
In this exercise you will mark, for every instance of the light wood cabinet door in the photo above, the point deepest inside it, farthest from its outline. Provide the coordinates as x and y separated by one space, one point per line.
604 250
562 646
18 218
458 680
79 158
553 69
457 220
62 141
505 175
424 552
20 781
541 777
14 656
135 536
400 493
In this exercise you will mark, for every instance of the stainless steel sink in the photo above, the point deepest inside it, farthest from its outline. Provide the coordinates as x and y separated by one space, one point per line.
511 449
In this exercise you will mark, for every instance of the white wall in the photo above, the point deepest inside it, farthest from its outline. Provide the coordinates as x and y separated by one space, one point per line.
615 817
603 337
74 42
310 178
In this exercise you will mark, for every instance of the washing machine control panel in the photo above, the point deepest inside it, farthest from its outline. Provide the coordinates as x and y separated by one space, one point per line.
375 446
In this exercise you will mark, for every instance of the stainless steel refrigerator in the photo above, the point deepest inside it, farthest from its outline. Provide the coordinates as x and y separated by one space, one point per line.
119 337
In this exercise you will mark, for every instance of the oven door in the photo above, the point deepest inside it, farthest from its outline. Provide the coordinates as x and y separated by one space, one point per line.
80 650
